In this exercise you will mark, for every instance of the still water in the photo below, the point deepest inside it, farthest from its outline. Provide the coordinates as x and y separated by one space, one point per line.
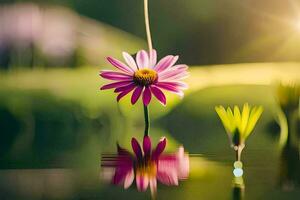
271 171
208 180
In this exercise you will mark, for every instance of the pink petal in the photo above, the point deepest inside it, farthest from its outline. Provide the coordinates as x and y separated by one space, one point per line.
129 179
123 93
124 88
115 75
147 96
170 88
115 85
136 94
142 182
175 77
121 66
179 67
129 60
177 84
136 148
171 72
142 59
165 63
147 145
159 148
158 94
153 58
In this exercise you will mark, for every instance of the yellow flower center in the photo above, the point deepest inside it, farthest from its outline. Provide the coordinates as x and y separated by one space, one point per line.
145 77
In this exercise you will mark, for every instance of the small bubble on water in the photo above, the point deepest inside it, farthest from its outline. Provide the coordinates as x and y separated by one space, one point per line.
238 172
238 164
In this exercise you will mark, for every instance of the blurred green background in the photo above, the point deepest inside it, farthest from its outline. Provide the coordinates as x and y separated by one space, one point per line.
204 32
53 117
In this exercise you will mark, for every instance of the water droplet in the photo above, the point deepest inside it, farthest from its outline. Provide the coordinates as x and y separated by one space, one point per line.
238 172
238 164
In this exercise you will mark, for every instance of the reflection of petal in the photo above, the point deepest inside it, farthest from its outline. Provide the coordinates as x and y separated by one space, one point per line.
167 174
122 163
142 182
122 151
129 179
159 148
173 167
183 164
145 167
119 176
136 148
153 186
123 170
147 145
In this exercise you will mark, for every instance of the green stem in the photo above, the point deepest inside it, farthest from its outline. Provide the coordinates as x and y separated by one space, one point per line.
147 121
147 24
238 153
149 40
292 119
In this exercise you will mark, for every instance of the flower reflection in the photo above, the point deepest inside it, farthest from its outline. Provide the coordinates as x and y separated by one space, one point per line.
146 165
288 96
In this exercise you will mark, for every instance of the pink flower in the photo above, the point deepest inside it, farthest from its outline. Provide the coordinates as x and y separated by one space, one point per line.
147 165
145 77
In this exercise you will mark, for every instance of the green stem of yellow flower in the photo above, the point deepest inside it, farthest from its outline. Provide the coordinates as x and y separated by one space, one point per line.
238 153
237 156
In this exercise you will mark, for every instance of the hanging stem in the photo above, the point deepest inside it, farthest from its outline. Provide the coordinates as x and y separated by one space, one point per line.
147 121
147 24
238 152
149 40
237 155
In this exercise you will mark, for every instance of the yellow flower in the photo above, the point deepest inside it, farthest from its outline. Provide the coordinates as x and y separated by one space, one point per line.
239 125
